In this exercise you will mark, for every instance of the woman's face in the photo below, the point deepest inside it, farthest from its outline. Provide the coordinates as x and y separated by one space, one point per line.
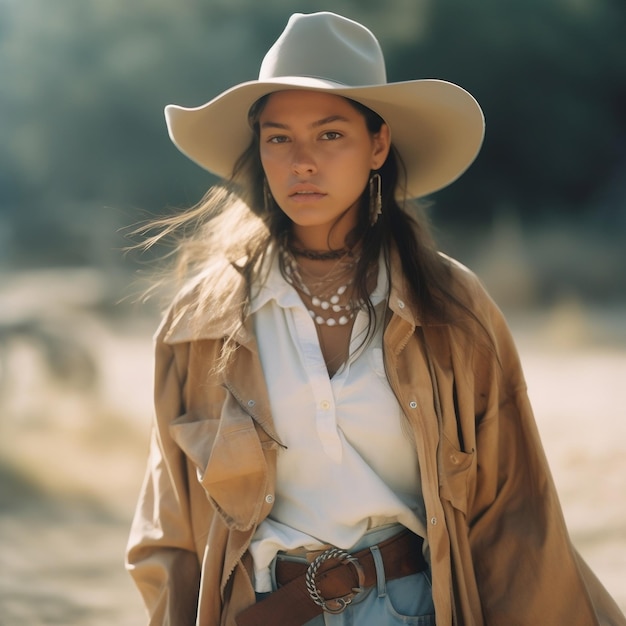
317 154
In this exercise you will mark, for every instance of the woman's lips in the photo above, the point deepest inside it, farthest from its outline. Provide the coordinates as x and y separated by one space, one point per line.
305 193
306 196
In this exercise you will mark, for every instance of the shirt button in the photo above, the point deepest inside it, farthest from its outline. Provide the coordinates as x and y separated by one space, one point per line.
401 303
454 459
413 404
251 403
325 404
269 498
433 521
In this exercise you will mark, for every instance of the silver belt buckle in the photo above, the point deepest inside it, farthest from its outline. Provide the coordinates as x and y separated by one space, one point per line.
333 605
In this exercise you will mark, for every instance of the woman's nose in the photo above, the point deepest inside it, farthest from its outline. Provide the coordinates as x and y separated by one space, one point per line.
303 161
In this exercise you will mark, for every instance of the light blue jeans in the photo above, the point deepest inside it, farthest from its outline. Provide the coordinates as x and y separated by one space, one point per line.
407 601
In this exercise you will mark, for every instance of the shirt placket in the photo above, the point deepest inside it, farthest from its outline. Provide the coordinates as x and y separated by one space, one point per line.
320 384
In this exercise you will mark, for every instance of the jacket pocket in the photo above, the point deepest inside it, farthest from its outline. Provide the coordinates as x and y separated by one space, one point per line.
231 461
195 436
455 470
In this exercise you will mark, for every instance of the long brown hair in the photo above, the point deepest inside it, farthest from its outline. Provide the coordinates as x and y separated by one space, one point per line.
403 224
236 220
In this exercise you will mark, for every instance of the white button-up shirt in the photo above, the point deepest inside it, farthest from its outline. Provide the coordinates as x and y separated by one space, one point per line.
349 464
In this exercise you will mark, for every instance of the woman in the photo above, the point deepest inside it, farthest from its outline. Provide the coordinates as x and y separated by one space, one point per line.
342 430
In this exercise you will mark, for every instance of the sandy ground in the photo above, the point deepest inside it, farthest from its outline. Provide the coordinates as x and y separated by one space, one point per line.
72 454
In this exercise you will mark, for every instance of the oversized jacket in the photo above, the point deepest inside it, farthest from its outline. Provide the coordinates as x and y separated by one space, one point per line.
500 552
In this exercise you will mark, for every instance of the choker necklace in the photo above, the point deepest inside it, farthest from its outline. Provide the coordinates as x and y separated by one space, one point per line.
315 255
326 304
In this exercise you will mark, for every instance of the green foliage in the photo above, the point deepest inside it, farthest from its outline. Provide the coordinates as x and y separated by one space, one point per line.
83 148
551 77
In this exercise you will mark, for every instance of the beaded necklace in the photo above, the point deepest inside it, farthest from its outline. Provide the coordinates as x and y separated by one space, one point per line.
327 297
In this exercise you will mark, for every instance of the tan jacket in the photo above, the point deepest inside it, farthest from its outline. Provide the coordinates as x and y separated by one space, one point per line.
500 552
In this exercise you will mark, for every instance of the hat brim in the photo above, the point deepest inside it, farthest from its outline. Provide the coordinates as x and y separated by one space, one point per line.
436 126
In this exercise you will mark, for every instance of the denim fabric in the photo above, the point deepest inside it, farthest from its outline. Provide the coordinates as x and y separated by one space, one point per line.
407 601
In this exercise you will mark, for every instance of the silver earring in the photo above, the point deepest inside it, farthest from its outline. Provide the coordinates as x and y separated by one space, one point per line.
376 198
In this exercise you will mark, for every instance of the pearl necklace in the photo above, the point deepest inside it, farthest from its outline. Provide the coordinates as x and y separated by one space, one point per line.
326 309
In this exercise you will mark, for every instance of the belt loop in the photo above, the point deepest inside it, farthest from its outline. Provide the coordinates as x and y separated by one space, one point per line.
380 572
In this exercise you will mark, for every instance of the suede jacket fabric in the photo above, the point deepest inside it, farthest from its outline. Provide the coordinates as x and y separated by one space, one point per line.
499 548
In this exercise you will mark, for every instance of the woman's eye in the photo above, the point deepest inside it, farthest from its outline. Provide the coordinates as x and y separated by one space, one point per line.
331 135
277 139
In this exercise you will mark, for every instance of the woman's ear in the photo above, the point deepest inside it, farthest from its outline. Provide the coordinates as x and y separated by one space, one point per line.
382 145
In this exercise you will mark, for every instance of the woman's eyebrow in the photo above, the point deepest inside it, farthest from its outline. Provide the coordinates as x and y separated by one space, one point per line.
329 120
274 125
317 123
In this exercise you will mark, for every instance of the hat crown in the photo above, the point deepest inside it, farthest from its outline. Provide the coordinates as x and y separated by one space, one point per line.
329 46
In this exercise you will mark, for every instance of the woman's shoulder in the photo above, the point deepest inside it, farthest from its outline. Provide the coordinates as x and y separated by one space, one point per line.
465 283
469 290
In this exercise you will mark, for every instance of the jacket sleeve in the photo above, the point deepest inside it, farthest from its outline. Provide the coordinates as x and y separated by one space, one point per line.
527 569
161 554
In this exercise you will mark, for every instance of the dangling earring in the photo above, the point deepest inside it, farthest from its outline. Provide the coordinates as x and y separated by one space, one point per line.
376 198
267 197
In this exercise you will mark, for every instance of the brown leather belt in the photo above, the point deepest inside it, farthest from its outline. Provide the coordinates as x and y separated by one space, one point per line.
331 581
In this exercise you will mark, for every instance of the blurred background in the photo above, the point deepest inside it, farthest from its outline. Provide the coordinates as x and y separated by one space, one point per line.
84 157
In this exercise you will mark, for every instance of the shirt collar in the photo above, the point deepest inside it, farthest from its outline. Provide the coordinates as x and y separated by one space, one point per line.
273 286
184 324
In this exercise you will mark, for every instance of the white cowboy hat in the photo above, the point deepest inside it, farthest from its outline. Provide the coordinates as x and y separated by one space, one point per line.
436 126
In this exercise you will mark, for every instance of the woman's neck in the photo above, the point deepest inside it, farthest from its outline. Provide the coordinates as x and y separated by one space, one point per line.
325 237
317 239
317 256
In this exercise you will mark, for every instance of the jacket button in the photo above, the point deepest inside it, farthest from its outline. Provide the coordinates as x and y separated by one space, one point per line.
251 403
433 521
269 498
401 303
454 459
413 404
